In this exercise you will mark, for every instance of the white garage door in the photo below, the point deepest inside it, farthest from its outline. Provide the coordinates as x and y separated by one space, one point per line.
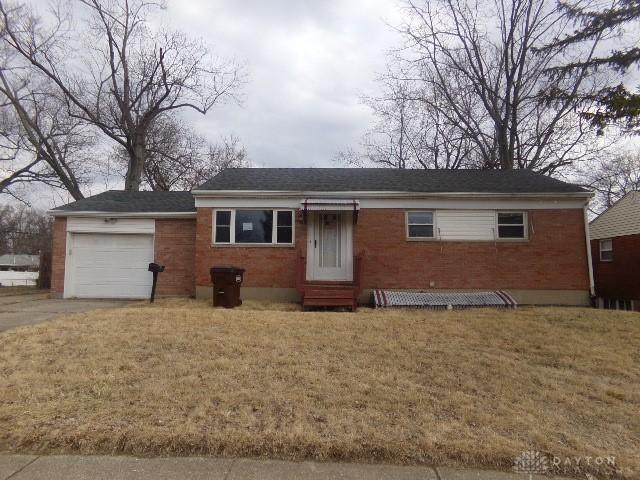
110 265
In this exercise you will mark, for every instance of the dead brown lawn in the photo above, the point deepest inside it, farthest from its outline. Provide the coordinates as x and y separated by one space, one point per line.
469 388
6 291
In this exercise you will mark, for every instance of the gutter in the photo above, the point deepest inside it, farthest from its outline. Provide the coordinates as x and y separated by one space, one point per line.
88 213
592 290
381 194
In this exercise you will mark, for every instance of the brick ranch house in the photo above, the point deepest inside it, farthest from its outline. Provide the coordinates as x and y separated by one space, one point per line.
615 247
377 228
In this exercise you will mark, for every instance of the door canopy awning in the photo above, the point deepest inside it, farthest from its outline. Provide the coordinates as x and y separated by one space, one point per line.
330 205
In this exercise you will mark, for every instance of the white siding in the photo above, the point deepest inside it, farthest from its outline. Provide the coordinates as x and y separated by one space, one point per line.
623 218
250 202
466 224
108 225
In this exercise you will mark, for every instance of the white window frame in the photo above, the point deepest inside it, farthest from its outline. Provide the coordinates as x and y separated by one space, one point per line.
525 225
214 221
610 240
433 224
274 229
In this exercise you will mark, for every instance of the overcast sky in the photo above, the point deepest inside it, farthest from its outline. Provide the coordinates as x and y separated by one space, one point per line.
308 64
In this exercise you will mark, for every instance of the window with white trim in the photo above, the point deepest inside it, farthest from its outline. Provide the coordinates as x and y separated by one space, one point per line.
284 227
420 225
223 226
253 226
512 225
606 250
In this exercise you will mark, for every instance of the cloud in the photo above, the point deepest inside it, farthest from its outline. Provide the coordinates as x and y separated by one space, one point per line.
308 64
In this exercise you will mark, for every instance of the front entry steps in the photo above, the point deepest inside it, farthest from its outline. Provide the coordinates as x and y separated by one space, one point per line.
334 295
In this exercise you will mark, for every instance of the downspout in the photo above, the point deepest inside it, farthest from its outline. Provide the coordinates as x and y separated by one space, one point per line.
589 261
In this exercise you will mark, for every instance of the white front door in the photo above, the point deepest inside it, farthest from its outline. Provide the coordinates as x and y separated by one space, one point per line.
330 246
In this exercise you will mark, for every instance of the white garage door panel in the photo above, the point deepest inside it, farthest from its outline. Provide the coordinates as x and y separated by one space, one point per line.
109 241
105 258
111 265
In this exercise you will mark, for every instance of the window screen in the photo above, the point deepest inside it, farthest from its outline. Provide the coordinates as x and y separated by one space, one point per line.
420 224
285 227
511 225
223 226
606 250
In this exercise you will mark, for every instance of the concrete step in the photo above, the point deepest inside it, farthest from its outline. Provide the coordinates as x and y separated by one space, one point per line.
314 293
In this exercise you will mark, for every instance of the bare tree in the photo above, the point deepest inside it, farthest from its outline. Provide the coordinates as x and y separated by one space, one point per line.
180 159
406 135
120 75
24 230
474 66
13 170
42 143
226 153
612 177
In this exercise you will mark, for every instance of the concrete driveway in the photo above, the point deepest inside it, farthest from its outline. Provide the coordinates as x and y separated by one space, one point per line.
29 309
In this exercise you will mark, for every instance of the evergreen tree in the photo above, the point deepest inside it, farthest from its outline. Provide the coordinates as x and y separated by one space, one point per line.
616 102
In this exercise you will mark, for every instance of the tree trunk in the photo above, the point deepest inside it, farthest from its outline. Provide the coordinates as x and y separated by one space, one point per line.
505 162
73 189
137 156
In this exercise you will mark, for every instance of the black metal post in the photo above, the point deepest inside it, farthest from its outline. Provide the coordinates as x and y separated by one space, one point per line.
153 287
155 269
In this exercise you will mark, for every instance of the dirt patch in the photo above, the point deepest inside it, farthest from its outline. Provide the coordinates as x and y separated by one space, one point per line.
463 388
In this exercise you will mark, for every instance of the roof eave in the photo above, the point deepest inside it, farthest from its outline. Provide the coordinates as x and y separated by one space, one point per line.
93 213
384 194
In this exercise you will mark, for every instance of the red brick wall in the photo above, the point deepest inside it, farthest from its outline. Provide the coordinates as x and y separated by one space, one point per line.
620 278
553 258
58 254
175 249
265 266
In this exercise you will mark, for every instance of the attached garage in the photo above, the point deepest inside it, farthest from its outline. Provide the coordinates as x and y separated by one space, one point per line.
102 245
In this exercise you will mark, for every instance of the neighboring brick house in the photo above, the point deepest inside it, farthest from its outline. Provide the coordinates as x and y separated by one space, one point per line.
615 247
381 228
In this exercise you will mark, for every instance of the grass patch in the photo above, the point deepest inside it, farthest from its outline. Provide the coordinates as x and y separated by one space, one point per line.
468 388
10 291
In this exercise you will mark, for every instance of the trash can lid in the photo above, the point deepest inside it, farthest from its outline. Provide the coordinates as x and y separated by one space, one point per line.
226 269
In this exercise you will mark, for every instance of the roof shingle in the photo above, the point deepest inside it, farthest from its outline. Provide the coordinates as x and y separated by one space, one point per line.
328 180
387 180
118 201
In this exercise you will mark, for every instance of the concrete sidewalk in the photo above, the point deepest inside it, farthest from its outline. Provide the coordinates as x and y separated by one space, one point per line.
78 467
